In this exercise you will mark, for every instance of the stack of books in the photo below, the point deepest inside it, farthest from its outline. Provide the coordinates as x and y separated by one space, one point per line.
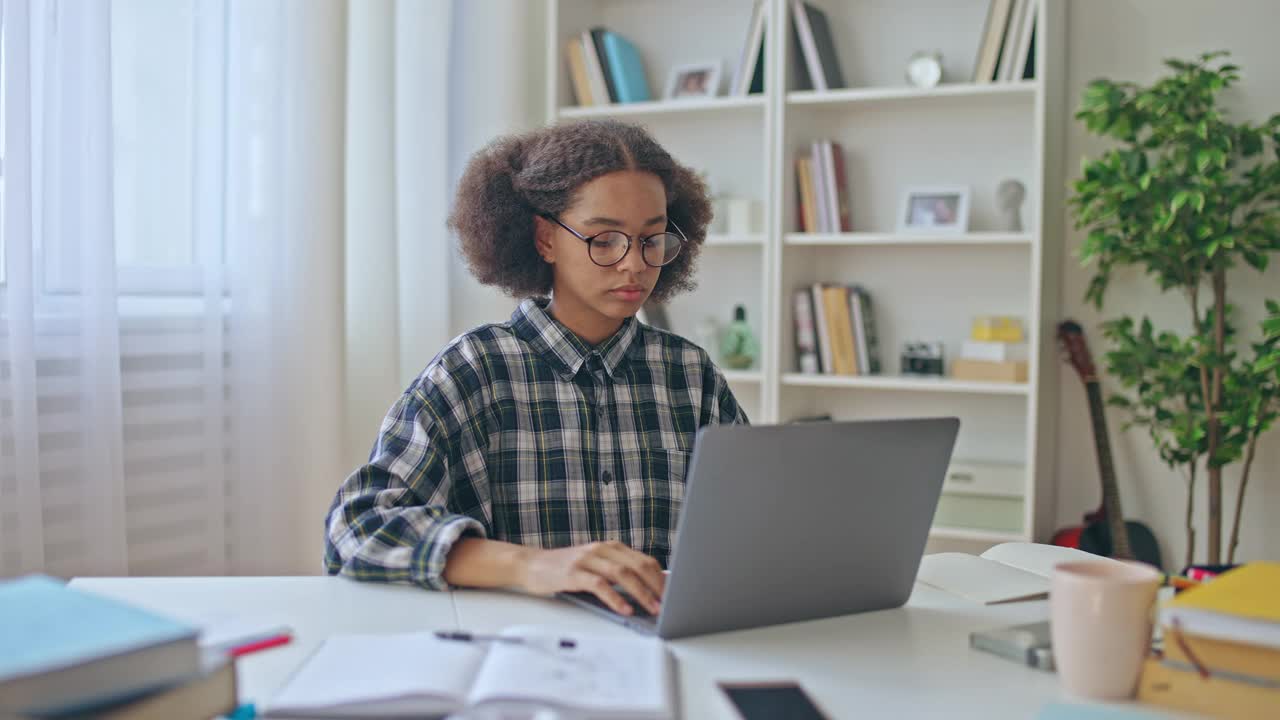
822 190
996 351
605 68
1008 48
835 331
1221 647
69 654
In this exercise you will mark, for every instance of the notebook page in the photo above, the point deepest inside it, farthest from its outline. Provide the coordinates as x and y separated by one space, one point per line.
1038 558
402 669
979 579
606 675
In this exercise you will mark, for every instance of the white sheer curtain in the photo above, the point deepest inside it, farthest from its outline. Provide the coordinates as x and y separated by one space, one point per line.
171 313
398 194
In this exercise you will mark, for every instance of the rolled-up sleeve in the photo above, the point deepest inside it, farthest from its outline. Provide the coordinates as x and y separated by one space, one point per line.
397 517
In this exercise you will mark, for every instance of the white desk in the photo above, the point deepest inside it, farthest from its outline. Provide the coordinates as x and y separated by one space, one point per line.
905 663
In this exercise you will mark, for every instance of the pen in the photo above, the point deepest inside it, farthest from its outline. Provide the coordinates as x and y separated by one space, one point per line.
461 636
1179 583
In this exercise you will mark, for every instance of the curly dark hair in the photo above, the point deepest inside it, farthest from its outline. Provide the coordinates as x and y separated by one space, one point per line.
516 177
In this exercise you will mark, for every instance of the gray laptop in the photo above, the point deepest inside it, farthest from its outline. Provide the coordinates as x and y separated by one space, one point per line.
784 523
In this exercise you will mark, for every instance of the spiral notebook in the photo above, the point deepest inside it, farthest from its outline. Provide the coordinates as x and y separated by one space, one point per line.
418 674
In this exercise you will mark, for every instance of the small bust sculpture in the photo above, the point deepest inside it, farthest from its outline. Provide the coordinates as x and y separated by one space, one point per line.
1009 197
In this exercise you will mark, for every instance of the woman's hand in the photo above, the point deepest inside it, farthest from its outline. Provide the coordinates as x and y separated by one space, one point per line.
596 568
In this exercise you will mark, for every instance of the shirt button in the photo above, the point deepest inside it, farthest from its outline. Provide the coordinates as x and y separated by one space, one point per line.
607 477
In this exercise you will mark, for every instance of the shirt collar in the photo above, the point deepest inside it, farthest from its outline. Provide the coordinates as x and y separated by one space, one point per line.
565 350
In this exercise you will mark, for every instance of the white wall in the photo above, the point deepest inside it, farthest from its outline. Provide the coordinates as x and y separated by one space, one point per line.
487 100
1127 39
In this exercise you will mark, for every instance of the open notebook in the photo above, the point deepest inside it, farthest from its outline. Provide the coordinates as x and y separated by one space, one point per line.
1006 573
418 674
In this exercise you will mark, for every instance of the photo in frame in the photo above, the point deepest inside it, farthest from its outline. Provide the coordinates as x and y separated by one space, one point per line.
693 80
934 210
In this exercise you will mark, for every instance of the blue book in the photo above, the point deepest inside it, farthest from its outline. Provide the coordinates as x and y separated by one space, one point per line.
66 650
625 69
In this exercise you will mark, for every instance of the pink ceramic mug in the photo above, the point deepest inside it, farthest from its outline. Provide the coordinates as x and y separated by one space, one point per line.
1100 623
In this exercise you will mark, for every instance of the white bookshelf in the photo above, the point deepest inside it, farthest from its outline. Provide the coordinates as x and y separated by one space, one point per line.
662 107
886 238
893 94
925 286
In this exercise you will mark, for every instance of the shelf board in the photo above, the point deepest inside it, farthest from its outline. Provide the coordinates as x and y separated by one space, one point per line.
960 533
721 240
665 107
743 376
903 382
869 238
950 90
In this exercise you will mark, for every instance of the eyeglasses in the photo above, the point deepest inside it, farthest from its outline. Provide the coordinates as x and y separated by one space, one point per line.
609 247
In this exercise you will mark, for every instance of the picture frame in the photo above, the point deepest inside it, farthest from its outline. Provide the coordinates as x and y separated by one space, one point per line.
936 210
699 80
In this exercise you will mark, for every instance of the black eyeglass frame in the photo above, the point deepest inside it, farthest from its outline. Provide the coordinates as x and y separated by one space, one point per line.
684 240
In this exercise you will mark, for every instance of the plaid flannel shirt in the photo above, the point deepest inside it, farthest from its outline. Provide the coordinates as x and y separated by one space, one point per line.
522 432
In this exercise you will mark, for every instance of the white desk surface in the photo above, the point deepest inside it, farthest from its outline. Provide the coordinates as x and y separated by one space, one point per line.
909 662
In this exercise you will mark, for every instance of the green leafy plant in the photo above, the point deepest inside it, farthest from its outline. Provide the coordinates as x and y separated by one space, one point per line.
1186 196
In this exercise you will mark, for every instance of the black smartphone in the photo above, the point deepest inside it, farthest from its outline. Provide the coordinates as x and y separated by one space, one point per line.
772 701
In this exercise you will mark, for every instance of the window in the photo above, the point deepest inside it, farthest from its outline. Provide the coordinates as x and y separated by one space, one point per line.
154 133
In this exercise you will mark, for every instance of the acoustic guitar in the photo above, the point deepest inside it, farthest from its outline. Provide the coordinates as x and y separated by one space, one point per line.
1105 531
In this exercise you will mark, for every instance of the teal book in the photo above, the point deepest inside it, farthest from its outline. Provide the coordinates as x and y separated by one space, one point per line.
66 650
625 69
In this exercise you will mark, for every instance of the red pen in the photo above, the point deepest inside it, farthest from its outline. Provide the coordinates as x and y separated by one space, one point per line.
257 645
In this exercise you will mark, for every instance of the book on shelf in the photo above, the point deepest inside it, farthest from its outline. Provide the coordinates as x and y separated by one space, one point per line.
1009 48
865 331
597 46
1023 63
522 669
806 212
984 67
836 306
834 330
1006 50
626 69
822 330
578 78
806 339
819 66
823 190
748 76
595 70
70 651
604 68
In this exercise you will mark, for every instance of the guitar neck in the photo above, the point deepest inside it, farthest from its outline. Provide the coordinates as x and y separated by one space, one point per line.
1107 472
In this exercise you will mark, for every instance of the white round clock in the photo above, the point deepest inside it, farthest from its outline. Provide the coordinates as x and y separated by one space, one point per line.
924 70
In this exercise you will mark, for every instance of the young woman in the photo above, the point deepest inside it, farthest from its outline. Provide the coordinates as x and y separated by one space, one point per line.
548 453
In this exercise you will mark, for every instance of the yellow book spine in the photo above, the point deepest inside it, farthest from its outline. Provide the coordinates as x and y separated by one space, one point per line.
836 299
578 72
1187 691
805 170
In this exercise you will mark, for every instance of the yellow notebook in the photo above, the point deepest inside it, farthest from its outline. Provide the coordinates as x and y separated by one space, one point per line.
1214 696
1240 606
1221 656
